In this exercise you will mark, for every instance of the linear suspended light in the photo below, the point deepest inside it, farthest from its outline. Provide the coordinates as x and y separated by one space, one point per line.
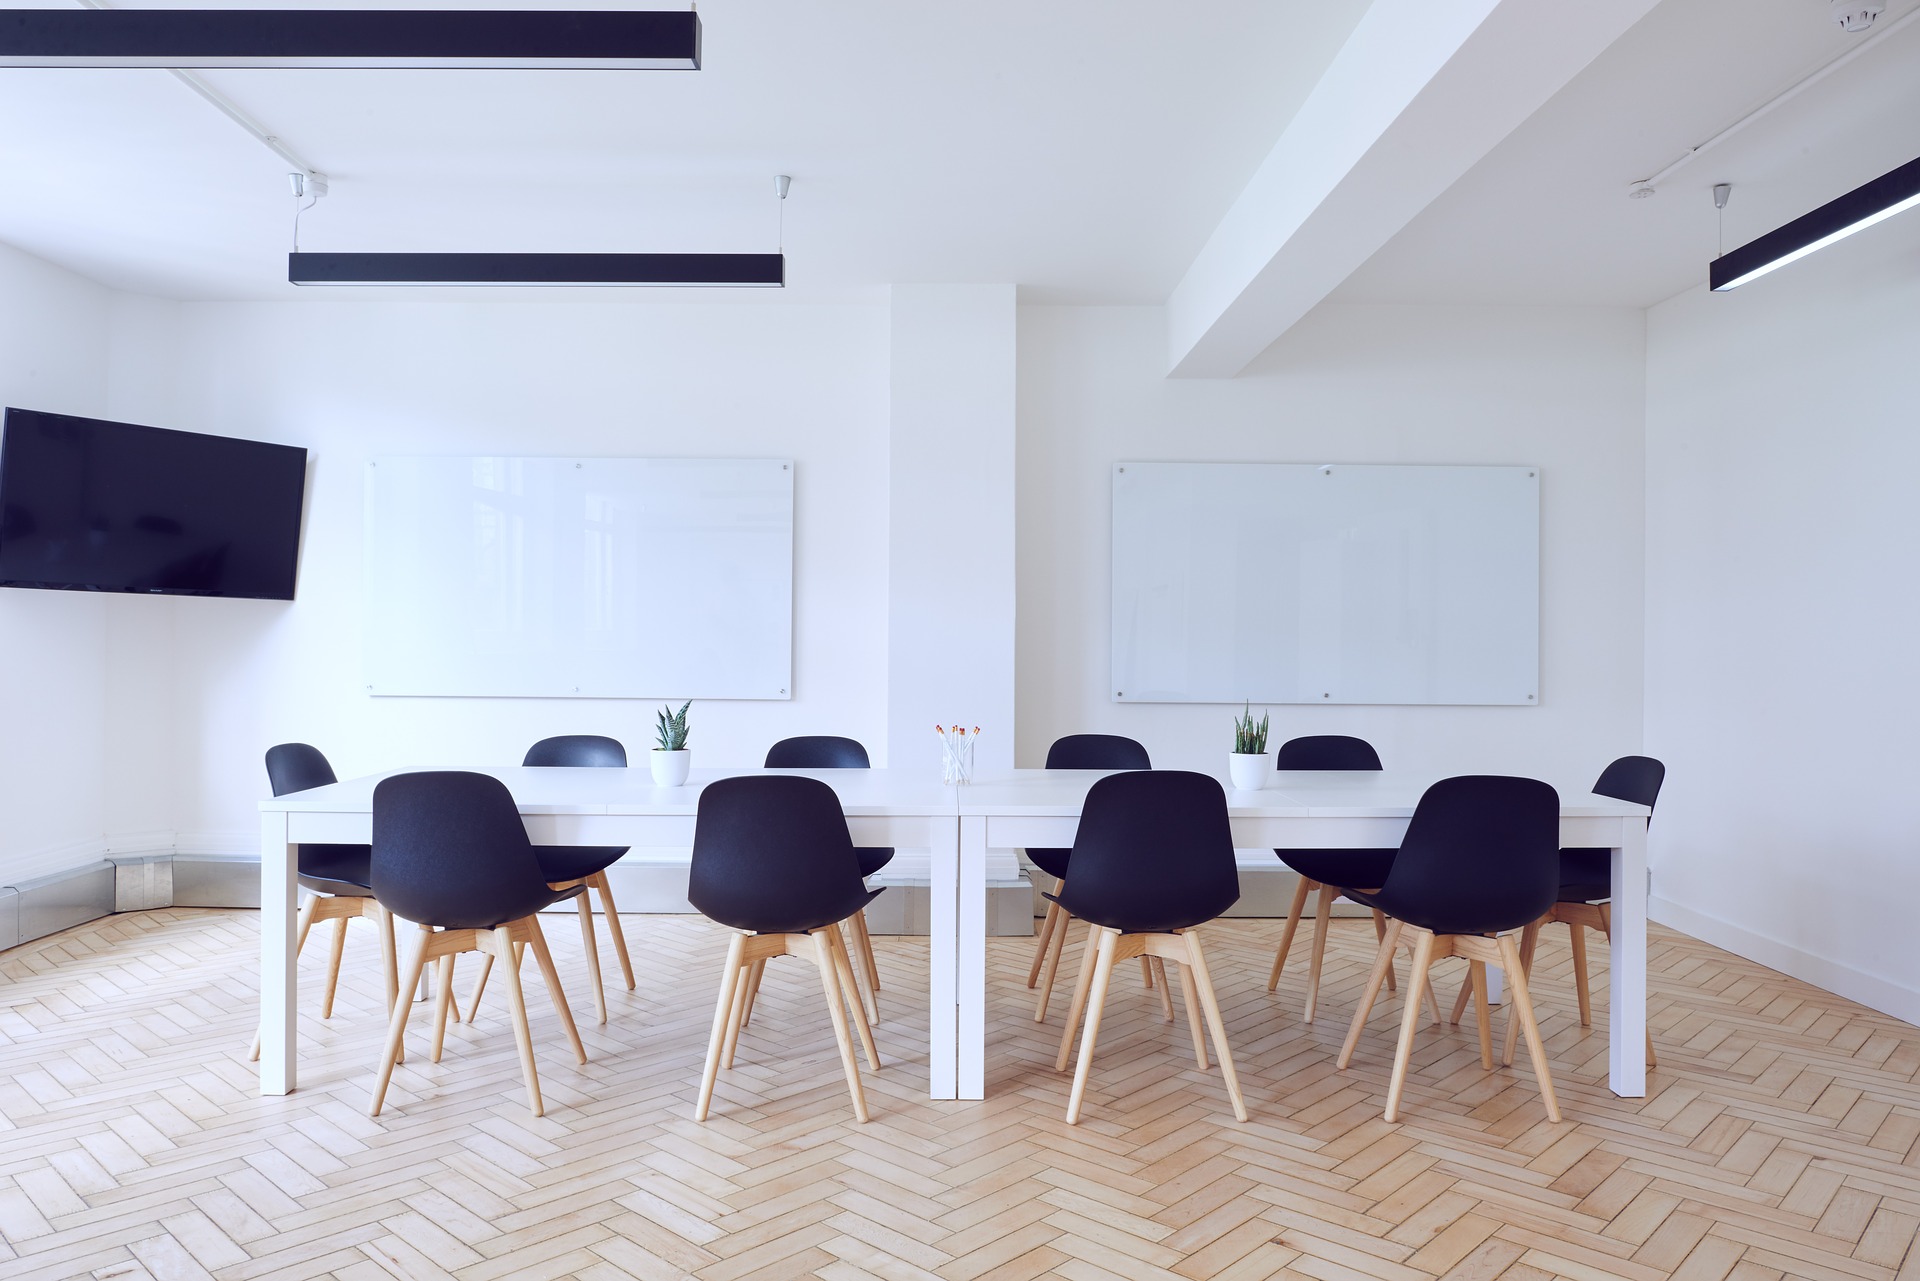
767 271
1865 205
176 38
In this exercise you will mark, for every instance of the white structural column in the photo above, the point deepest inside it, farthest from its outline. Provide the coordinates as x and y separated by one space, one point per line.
1420 92
279 978
950 606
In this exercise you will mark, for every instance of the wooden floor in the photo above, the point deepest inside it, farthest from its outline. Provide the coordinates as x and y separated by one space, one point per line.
1781 1135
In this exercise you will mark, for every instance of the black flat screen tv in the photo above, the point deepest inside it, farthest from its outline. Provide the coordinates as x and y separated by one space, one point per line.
94 506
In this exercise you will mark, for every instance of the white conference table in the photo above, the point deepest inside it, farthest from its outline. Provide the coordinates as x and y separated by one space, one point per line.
958 825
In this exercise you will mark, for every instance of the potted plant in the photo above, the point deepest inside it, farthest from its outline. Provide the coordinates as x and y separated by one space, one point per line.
1249 764
671 759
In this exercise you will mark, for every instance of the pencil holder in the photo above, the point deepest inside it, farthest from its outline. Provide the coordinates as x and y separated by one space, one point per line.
956 755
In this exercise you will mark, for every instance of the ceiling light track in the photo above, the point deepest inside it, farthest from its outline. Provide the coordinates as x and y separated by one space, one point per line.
594 40
1647 186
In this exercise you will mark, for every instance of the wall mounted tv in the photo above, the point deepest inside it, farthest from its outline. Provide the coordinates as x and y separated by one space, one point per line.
94 506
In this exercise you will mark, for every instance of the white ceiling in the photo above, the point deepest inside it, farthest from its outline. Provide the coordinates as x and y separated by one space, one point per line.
1545 217
1081 148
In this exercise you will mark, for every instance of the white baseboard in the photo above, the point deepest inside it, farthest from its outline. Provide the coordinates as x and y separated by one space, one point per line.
1870 990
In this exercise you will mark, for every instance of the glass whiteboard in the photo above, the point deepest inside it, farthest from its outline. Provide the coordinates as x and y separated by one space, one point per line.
1302 583
588 577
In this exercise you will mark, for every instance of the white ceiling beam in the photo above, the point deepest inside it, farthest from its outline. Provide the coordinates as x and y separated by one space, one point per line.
1421 91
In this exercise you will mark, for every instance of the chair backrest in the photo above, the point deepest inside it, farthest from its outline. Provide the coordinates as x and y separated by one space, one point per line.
296 767
1481 854
771 854
1327 751
1153 852
818 751
1632 778
578 749
449 848
1097 751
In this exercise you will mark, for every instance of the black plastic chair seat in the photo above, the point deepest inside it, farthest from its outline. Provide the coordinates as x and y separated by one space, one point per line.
872 858
576 862
771 855
1086 751
1154 853
344 870
830 751
1586 876
1051 861
1338 867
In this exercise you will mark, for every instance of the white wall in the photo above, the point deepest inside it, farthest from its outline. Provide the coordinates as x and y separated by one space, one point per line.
1783 689
53 707
1561 388
352 379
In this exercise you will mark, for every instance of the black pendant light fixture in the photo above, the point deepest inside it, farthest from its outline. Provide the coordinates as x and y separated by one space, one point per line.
764 271
438 38
1865 205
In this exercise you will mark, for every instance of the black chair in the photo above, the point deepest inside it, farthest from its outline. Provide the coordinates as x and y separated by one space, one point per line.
1480 858
583 865
450 853
335 877
826 751
1586 886
1321 870
1075 751
1152 862
772 859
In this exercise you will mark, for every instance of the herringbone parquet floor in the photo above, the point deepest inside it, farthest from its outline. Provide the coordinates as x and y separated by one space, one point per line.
1781 1136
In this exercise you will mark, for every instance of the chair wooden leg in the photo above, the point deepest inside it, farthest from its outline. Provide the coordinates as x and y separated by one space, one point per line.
732 995
1053 966
1101 944
443 1000
757 969
397 1025
598 882
843 970
304 923
1146 972
1203 979
1577 937
1522 1002
552 975
1403 1053
334 955
1159 968
1380 932
1382 962
1089 955
593 958
742 993
1529 941
1046 942
517 1008
479 986
1323 910
866 950
1483 1013
829 984
856 944
1460 1001
390 961
1190 994
1300 892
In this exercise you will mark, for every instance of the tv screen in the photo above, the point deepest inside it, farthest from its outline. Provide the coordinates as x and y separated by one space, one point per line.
94 506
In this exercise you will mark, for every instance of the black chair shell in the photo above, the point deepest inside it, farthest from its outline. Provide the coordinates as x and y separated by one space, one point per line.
578 751
1334 867
326 869
1481 855
449 849
829 751
1586 875
1153 853
1086 751
814 881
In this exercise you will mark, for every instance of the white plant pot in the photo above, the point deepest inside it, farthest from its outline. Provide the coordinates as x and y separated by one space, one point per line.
1250 771
670 768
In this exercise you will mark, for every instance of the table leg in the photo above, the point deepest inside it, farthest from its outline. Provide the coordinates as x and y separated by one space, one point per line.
1627 965
943 931
279 987
970 973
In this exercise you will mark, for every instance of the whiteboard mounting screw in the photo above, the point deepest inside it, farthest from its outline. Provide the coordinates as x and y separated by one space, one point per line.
1119 693
578 466
1326 696
1529 698
783 691
576 689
